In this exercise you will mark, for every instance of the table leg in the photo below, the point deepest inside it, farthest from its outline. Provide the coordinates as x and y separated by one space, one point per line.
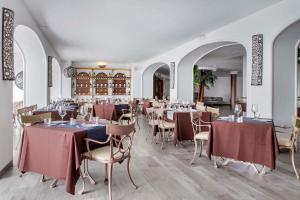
263 171
215 162
54 183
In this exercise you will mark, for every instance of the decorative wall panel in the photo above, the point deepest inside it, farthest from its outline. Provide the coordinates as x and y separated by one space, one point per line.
8 44
257 60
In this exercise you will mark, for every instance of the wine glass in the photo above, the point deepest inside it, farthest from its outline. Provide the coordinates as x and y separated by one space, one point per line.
62 112
238 110
254 109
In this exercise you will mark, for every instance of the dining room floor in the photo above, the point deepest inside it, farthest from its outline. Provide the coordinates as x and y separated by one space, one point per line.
164 175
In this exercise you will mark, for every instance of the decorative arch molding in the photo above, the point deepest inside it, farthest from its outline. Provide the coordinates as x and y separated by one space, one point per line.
35 70
285 67
147 79
185 67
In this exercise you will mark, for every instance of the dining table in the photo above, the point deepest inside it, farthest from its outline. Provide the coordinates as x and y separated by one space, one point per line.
109 111
54 150
248 140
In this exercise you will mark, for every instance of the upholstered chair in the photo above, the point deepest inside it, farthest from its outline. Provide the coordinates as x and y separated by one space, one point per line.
165 127
116 149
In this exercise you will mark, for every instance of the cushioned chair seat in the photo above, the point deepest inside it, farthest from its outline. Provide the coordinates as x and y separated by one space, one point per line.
285 142
167 125
153 122
202 135
103 154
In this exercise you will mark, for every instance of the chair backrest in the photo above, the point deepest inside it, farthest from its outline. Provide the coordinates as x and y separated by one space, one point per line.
28 120
200 103
156 104
296 129
200 107
121 138
215 111
196 121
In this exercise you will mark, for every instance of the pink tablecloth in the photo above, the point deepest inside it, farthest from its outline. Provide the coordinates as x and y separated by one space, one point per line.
53 152
250 141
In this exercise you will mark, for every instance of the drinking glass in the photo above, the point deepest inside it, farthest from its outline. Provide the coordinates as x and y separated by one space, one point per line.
254 109
62 112
238 110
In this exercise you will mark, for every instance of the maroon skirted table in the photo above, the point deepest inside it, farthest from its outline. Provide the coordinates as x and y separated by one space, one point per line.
251 141
109 111
55 151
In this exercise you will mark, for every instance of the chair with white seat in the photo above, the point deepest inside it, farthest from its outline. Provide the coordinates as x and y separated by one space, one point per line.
152 118
165 127
290 143
119 147
130 114
202 135
214 111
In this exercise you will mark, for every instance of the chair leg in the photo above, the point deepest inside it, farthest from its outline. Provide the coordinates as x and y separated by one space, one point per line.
106 179
195 152
201 147
110 166
293 162
163 139
128 171
83 183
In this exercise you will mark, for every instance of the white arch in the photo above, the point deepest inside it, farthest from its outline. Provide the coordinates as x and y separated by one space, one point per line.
35 71
285 70
19 62
147 79
185 67
55 91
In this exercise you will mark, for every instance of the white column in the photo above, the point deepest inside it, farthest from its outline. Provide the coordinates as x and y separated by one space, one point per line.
244 76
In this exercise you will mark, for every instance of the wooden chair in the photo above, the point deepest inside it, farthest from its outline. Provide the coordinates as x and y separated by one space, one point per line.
28 120
290 143
152 118
200 107
199 134
21 112
119 149
165 127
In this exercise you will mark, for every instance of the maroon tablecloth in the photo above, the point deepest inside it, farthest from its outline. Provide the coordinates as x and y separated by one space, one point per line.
147 104
105 111
250 141
183 126
55 115
53 152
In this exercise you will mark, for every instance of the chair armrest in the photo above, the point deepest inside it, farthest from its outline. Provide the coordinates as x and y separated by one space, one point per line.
124 111
88 140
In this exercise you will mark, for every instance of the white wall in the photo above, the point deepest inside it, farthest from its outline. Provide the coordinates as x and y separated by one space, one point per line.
267 22
222 88
55 90
66 82
22 17
285 75
18 94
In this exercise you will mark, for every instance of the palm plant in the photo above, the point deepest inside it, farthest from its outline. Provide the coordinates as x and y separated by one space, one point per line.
203 79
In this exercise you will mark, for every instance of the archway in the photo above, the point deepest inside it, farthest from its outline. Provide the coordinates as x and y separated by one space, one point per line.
35 71
55 91
285 74
185 68
161 83
18 85
147 79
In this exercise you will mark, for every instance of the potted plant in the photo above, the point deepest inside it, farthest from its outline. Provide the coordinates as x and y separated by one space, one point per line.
203 79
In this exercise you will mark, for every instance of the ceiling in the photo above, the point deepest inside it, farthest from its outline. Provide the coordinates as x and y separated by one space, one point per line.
128 31
225 59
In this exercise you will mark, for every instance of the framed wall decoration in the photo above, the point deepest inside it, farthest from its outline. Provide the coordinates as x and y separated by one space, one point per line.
50 84
257 60
8 44
70 72
172 75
